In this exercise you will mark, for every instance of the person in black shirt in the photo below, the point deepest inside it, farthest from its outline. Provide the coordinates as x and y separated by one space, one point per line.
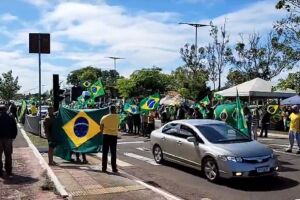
265 121
8 133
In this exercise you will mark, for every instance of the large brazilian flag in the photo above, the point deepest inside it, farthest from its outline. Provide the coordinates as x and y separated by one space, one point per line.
77 131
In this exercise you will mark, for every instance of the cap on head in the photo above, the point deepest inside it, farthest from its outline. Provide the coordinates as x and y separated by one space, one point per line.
294 107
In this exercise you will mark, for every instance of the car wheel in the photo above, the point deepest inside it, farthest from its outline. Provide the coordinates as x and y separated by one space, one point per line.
158 154
210 169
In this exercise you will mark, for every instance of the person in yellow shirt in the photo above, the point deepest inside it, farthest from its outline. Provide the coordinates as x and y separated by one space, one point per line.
33 110
109 128
294 129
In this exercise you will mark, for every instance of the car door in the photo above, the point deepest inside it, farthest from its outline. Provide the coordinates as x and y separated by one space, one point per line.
169 140
189 151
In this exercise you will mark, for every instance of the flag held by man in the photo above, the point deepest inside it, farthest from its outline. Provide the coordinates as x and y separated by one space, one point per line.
77 131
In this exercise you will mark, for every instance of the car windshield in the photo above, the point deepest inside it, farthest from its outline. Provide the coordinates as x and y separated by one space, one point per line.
222 133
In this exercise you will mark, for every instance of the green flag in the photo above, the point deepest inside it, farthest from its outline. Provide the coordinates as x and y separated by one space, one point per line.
218 97
97 89
205 101
91 101
22 111
240 117
150 103
77 131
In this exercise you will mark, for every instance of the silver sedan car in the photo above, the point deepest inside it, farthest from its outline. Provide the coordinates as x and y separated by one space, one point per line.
214 147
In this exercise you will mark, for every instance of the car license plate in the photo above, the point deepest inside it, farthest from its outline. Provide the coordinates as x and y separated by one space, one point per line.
262 169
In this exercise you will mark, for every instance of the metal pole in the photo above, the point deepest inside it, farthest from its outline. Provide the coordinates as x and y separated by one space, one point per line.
196 39
115 64
40 89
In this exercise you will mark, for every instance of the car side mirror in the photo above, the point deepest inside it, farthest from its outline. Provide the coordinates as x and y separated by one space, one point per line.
191 139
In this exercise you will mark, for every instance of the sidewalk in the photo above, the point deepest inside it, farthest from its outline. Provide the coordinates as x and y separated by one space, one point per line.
87 182
28 176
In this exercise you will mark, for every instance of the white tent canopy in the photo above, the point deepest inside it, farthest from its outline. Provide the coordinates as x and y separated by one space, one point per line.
245 89
255 88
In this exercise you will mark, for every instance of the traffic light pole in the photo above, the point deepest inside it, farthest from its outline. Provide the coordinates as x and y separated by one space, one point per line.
40 90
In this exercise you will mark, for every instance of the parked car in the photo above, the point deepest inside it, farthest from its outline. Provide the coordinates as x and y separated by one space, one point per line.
214 147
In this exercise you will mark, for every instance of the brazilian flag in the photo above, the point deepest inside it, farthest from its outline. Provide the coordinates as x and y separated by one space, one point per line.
97 89
226 113
77 131
218 97
205 101
150 103
130 108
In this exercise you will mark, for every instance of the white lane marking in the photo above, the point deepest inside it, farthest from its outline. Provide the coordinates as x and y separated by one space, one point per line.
142 158
58 185
143 149
119 162
159 191
290 154
284 145
134 142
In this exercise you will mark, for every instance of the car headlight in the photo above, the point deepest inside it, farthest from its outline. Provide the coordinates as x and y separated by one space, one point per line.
231 158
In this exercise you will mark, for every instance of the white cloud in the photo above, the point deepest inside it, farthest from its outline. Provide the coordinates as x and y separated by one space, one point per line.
7 17
39 2
99 30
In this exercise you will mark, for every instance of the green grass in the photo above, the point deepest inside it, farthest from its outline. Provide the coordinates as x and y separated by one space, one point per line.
38 141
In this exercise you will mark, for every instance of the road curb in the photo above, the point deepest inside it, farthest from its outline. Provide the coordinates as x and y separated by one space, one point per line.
59 187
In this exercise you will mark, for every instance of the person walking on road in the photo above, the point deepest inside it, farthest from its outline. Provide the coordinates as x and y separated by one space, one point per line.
294 129
265 121
109 128
48 124
8 133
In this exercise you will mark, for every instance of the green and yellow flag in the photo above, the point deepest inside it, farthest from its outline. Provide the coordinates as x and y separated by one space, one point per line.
77 131
97 89
218 97
205 101
22 111
240 116
150 103
130 108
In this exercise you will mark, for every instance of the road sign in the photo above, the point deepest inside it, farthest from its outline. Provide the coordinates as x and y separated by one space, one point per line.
39 43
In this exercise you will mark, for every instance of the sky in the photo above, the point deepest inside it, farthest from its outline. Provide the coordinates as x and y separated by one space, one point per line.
145 33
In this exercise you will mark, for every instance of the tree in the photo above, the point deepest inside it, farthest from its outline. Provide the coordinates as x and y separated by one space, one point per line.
212 64
292 82
89 73
222 53
144 82
261 58
235 77
288 28
8 86
190 79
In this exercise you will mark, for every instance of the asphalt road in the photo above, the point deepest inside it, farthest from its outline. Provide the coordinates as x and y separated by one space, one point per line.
136 159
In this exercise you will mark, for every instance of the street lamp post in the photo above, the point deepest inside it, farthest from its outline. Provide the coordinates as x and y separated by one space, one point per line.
196 25
115 61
